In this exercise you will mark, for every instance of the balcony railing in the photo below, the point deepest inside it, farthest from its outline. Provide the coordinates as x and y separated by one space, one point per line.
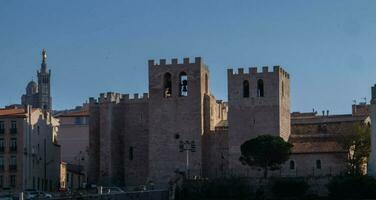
13 130
2 130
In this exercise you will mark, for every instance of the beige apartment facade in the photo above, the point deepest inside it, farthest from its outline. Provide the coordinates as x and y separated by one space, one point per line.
74 140
29 153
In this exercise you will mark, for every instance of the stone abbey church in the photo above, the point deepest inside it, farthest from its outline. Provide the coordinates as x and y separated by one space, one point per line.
180 126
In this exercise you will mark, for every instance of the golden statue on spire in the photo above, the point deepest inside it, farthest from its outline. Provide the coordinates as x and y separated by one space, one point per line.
44 55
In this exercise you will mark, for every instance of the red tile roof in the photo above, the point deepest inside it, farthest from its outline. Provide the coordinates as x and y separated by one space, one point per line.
317 147
12 112
76 113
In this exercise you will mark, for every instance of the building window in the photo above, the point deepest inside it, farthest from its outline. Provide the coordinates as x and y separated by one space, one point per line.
292 164
1 163
13 163
2 127
167 92
13 144
245 89
130 153
2 145
183 84
78 120
283 89
13 127
318 164
13 180
1 181
323 128
260 88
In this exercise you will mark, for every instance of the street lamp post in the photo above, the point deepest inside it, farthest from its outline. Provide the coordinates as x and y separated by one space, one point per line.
79 158
187 146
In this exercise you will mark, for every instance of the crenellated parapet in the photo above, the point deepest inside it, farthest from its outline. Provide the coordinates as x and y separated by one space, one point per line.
113 97
254 71
174 61
136 98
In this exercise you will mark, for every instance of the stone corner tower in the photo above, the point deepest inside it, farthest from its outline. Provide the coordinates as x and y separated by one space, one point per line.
176 114
44 85
259 104
372 158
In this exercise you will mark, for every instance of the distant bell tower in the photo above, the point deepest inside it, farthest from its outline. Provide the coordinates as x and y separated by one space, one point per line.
44 84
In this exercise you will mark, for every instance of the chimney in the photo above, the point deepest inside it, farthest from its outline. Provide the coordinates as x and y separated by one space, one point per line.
327 112
323 113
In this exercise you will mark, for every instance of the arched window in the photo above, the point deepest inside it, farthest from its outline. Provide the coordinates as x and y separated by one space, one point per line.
167 91
318 164
260 88
292 164
245 89
183 84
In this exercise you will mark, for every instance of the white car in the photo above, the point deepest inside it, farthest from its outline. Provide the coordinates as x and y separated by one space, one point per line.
112 190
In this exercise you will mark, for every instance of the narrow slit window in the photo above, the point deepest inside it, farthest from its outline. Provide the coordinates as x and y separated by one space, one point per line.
130 153
292 164
260 88
183 84
245 89
318 164
167 92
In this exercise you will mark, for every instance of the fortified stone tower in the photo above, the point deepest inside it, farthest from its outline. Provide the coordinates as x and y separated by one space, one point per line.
259 104
372 157
44 78
176 95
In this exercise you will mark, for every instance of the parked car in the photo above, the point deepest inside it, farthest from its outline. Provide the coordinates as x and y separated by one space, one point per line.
112 190
44 195
6 197
30 194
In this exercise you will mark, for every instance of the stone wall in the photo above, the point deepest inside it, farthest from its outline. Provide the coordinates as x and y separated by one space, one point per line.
118 140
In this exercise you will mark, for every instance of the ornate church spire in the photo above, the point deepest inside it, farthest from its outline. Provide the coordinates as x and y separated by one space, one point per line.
44 64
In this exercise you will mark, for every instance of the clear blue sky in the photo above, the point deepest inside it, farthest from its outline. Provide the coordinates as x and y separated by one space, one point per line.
93 46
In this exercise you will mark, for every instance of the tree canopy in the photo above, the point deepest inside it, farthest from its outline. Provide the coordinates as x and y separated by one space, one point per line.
266 152
358 144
